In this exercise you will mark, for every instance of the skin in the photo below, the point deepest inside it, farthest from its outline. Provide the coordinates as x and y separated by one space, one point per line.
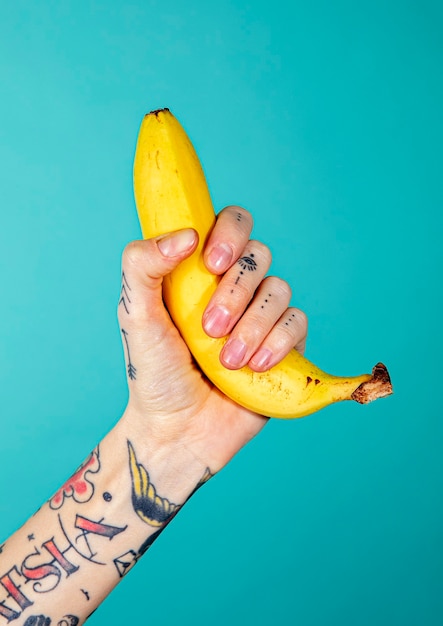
171 440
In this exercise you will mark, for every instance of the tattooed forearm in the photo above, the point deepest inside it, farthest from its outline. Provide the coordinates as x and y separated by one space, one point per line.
56 560
84 528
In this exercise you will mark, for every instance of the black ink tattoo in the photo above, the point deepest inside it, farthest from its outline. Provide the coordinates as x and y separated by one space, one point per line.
68 620
246 263
1 547
150 507
239 217
290 319
86 594
38 620
266 300
125 562
31 537
107 496
132 371
124 296
148 543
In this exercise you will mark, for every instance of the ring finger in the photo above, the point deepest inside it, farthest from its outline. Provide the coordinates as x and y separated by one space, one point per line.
268 305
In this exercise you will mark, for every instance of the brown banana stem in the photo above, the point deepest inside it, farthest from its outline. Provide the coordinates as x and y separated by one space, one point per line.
379 386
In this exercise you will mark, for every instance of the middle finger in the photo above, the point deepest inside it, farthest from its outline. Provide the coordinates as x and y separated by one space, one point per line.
236 289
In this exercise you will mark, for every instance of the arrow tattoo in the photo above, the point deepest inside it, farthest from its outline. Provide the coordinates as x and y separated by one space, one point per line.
132 371
124 296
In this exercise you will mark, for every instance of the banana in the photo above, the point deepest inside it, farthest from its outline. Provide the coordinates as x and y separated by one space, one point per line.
171 194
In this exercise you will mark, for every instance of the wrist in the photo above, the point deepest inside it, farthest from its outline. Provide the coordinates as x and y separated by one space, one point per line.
167 456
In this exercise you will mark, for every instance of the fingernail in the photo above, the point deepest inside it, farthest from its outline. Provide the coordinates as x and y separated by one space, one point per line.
234 352
220 257
177 243
216 321
262 358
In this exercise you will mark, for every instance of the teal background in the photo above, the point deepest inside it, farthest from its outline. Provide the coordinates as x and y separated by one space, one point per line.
325 120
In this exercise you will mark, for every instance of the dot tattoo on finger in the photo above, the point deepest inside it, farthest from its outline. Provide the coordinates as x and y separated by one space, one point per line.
266 300
290 319
246 263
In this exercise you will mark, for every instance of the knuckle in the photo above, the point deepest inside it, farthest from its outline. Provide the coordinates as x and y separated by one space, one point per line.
292 329
133 253
251 331
279 287
262 251
239 214
301 320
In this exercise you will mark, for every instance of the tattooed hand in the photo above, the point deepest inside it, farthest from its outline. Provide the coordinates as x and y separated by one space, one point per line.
167 391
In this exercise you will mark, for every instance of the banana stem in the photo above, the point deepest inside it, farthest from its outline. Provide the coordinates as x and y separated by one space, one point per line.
379 386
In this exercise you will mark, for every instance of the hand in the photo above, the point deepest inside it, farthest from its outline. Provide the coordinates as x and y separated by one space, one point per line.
169 395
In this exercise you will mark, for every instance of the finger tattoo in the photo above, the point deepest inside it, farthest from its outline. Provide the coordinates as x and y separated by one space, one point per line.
124 294
247 264
132 371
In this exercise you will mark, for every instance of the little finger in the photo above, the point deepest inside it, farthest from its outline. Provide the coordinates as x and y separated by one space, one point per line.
290 331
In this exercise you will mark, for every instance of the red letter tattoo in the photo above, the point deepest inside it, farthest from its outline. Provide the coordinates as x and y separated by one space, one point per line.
78 486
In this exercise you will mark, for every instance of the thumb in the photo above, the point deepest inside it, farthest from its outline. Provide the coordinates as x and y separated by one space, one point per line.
144 264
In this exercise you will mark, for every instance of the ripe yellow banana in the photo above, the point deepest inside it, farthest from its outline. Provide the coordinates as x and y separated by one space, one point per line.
171 193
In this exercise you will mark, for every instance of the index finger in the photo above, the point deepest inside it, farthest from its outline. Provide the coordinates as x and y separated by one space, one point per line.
228 239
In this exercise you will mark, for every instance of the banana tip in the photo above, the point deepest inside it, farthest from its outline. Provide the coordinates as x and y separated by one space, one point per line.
157 111
378 386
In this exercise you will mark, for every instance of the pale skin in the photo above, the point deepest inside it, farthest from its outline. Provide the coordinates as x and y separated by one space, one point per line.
177 429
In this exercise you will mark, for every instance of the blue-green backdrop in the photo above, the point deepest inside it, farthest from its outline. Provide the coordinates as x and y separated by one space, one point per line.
325 120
